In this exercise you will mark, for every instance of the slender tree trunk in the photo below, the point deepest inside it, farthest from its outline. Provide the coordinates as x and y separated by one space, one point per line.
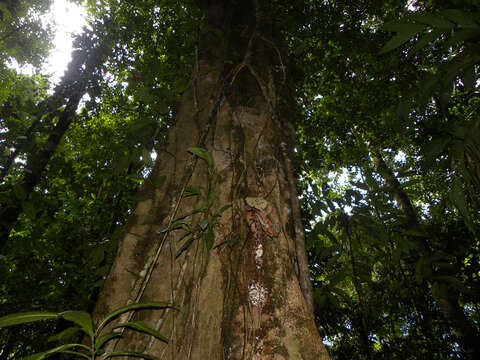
69 93
465 330
230 267
33 170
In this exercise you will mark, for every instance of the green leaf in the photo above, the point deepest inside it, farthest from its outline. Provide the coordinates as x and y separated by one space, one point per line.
103 270
418 271
105 338
321 300
459 36
434 148
184 247
56 350
332 261
132 354
403 27
144 328
341 292
183 216
192 190
234 239
425 40
81 318
181 86
454 68
146 157
176 225
320 228
210 199
209 239
19 192
26 317
458 198
97 255
65 334
336 279
203 224
6 14
98 283
406 31
222 210
202 153
139 306
465 20
432 20
423 270
29 210
395 42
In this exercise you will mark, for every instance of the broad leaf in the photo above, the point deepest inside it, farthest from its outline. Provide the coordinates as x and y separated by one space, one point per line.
395 42
203 224
139 306
146 157
192 190
403 27
19 192
105 338
59 349
26 317
405 30
425 40
132 354
81 318
465 20
29 210
184 247
202 153
209 239
144 328
434 148
65 334
432 20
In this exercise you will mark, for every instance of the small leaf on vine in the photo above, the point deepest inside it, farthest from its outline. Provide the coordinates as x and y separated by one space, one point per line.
202 153
209 239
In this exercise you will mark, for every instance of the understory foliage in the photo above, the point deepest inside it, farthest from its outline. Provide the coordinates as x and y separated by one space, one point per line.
388 162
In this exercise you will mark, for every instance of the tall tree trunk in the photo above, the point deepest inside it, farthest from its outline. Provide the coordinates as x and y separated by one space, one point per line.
219 241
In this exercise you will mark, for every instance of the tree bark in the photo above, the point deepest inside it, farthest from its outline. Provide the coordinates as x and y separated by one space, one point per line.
239 297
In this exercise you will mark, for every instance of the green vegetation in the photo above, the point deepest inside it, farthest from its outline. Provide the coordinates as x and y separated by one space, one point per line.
388 163
97 337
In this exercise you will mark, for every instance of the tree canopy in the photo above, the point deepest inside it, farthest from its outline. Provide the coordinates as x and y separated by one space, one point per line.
387 161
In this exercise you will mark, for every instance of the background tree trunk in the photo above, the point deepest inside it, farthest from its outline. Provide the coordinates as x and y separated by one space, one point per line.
448 302
242 298
68 93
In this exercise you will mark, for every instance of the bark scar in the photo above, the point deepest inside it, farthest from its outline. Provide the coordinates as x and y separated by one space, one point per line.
259 223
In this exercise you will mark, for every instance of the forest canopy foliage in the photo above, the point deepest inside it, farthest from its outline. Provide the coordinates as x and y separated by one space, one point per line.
388 162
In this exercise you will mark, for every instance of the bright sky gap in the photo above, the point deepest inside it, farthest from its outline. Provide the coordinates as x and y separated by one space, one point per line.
67 20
